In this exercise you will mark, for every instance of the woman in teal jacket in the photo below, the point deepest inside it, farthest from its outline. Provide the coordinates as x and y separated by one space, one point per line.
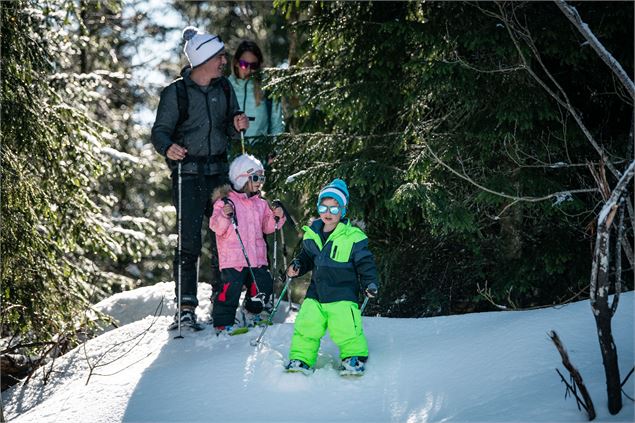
265 115
337 254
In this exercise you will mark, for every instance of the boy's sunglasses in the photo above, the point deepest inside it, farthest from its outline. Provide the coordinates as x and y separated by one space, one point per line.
257 178
245 64
323 209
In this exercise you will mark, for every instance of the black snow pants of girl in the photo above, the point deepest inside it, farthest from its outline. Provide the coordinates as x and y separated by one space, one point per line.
227 298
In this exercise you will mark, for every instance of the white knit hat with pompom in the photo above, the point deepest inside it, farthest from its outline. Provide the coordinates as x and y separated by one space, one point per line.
200 47
242 168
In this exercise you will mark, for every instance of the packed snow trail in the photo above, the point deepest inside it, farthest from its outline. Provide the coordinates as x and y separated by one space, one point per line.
494 367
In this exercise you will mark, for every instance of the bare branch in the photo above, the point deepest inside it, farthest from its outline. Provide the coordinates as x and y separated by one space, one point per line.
586 402
505 195
618 258
562 99
572 14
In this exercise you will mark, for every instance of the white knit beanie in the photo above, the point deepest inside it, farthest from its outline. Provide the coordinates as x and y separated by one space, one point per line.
199 46
242 168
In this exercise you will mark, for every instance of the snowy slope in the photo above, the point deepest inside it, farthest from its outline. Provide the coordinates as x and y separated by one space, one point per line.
493 367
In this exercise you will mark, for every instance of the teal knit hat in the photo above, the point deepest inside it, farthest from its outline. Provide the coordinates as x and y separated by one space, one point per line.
336 190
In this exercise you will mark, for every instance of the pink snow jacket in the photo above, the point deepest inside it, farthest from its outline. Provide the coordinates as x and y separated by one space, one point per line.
254 217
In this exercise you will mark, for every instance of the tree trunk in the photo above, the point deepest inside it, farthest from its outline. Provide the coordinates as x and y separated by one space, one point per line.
599 291
603 315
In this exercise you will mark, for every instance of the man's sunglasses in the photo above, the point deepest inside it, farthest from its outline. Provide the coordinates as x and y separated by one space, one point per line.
323 209
245 64
257 178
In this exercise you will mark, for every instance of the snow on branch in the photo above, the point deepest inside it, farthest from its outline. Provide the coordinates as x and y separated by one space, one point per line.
572 14
599 267
119 156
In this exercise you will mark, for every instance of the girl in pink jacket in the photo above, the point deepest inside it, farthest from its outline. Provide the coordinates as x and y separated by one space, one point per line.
254 218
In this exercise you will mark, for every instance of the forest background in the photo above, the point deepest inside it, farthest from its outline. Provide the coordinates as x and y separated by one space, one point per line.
455 124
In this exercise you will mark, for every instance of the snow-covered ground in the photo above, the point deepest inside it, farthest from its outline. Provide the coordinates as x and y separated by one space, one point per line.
484 367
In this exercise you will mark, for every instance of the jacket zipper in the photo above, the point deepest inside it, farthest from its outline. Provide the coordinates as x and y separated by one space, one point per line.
245 97
211 121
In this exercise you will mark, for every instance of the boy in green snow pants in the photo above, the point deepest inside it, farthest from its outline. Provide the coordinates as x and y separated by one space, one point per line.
337 253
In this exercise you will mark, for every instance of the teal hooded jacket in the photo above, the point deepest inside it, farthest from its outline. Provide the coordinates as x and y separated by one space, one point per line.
262 123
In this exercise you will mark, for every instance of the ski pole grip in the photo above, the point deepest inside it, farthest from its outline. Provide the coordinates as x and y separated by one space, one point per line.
278 203
228 201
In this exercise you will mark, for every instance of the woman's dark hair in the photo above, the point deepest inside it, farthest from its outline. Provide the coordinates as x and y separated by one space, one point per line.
246 45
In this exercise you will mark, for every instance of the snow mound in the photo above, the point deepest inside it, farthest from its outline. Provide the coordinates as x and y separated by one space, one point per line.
494 367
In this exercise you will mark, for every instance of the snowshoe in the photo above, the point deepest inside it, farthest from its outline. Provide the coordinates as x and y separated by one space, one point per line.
188 321
230 330
251 320
298 366
353 366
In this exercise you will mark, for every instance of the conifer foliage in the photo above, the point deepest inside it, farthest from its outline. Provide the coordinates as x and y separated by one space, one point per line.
464 170
53 231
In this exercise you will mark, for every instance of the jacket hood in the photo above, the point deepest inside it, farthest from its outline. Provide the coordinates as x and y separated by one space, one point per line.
220 192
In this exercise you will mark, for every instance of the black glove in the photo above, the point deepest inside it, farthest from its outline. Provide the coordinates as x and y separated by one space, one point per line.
371 291
296 264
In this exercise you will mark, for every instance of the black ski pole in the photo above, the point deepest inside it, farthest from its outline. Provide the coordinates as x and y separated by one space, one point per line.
275 252
278 203
259 295
179 243
361 310
269 321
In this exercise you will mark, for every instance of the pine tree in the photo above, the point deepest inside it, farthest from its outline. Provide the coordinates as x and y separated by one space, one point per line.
420 106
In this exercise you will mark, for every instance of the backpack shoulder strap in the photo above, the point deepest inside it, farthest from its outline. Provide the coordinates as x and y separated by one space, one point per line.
183 101
224 83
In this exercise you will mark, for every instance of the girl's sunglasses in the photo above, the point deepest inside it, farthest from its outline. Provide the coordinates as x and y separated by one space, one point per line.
245 64
323 209
257 178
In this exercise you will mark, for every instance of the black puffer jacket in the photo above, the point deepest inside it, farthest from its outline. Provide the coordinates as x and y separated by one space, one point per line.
206 132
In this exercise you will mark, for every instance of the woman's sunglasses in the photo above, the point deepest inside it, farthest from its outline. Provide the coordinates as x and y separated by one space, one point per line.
245 64
323 209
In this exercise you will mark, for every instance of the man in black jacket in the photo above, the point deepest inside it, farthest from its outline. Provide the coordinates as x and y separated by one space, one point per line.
194 124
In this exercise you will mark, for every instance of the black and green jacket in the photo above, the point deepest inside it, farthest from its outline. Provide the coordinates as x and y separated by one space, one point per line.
340 264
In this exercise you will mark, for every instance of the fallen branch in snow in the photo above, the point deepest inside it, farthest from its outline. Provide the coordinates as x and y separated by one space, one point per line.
624 382
96 364
576 378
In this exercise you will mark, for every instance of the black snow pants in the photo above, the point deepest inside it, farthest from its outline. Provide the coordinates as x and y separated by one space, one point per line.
227 298
196 209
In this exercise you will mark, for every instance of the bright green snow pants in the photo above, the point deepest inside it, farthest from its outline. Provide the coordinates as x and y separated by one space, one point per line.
341 318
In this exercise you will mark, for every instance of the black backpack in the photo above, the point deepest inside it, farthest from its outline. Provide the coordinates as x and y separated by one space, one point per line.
183 100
